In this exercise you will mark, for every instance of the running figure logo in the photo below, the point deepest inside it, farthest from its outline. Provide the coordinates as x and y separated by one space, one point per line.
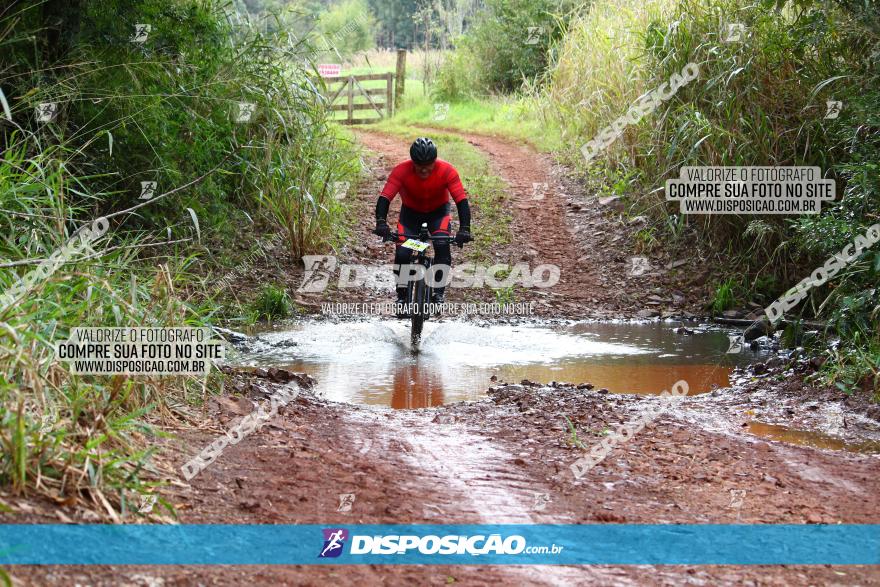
319 269
334 540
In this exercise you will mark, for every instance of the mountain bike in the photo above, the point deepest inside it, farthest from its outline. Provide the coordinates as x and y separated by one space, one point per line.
418 291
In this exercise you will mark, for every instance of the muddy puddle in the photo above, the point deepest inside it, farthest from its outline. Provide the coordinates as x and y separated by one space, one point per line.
371 362
811 438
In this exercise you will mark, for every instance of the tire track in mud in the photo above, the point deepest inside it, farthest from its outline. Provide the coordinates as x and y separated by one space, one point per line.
473 479
460 477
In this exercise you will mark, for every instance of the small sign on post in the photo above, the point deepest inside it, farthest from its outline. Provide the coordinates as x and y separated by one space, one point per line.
329 69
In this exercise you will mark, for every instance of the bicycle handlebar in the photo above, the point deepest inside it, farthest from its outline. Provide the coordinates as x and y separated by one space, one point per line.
393 236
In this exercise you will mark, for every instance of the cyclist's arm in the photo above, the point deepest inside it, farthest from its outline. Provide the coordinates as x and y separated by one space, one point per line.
382 205
392 186
464 214
459 196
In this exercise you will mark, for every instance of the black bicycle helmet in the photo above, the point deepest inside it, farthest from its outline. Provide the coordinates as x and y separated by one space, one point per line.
423 151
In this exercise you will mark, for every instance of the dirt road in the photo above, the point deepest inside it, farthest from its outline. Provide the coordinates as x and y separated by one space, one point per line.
508 459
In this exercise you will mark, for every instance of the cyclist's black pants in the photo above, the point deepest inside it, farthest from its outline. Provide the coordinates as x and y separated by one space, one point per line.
410 222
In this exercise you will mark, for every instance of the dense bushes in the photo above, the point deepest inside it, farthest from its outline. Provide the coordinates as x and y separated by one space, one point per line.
165 109
510 44
761 101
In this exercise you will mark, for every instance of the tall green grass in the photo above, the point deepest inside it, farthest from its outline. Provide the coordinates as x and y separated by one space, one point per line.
61 434
600 68
761 101
160 111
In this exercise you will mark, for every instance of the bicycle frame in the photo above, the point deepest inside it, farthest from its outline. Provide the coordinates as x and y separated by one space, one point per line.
418 291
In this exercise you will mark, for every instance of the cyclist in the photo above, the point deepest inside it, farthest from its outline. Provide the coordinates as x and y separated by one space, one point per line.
425 184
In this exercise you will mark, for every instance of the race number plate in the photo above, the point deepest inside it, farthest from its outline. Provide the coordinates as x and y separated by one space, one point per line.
414 245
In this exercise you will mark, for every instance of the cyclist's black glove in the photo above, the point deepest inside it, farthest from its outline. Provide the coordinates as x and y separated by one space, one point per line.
382 228
463 235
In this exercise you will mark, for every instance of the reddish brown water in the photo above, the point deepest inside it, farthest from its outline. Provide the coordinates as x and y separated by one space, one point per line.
808 438
370 362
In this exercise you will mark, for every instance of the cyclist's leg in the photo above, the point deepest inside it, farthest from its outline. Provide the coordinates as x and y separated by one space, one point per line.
409 223
438 224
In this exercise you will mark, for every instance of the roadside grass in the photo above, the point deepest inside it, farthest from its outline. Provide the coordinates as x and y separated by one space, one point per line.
272 302
573 439
89 439
725 296
66 434
511 117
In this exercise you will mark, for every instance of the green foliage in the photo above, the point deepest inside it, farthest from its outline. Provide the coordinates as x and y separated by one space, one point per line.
298 190
725 296
347 28
167 110
573 439
458 80
273 302
163 110
600 69
504 295
396 25
761 101
59 432
510 43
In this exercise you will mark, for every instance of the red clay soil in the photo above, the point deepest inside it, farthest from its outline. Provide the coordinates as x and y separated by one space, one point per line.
505 459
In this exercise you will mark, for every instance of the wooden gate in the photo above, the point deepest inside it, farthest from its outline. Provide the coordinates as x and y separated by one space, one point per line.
356 97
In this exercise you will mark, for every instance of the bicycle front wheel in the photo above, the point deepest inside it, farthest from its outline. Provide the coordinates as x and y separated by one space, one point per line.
419 309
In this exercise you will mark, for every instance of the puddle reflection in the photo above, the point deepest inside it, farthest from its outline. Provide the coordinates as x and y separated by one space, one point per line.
808 438
370 362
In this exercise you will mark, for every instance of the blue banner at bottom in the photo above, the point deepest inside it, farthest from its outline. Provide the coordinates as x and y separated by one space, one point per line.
434 544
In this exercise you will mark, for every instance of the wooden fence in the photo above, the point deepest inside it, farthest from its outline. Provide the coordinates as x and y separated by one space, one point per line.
347 94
